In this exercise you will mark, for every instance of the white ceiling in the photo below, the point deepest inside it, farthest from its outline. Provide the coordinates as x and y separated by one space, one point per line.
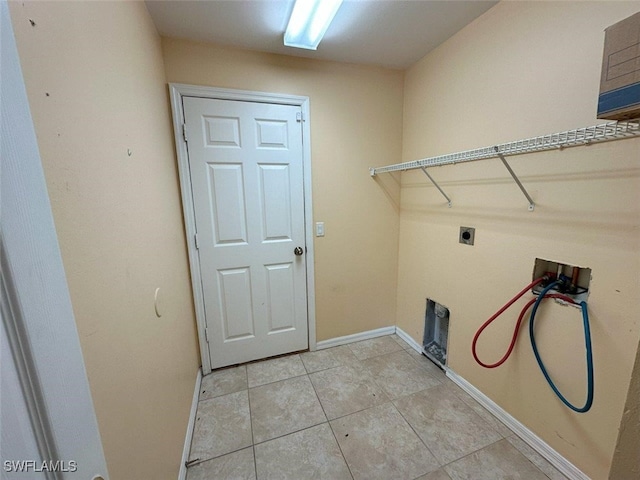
390 33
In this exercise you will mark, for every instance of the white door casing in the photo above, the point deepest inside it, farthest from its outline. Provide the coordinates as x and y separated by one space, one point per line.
46 409
245 181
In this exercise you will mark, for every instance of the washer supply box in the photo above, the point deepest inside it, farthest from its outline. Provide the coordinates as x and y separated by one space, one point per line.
620 80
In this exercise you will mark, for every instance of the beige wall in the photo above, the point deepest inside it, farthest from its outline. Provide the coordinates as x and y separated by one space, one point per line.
356 122
96 86
94 74
520 70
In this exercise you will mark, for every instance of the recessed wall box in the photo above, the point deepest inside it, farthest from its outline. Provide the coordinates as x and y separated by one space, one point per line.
575 281
436 332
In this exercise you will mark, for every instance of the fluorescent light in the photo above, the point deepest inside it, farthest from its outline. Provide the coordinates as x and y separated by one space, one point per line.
309 22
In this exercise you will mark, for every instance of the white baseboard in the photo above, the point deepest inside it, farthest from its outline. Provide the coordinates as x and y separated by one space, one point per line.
562 464
409 340
182 473
356 337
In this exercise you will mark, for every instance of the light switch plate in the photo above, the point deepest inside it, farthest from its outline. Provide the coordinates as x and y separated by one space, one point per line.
319 229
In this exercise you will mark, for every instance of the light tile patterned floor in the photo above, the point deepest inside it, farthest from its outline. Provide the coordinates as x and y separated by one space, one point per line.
369 410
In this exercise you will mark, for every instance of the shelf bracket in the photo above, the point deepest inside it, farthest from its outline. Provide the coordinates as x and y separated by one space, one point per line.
516 179
437 186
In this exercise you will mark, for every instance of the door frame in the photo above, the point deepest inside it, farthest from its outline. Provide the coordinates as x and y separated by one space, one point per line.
44 345
179 90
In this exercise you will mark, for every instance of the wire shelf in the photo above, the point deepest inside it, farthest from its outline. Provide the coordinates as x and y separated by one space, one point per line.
572 138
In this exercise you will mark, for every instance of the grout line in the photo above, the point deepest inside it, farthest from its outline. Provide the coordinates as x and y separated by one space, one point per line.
204 460
304 365
474 413
493 443
332 432
340 448
253 447
299 429
253 440
275 381
351 413
400 349
307 428
361 410
290 433
318 398
417 435
465 397
536 453
390 400
544 449
475 451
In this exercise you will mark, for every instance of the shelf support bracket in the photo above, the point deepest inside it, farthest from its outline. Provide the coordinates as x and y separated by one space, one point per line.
437 186
516 179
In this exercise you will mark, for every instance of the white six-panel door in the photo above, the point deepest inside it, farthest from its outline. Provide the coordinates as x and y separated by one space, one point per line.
245 161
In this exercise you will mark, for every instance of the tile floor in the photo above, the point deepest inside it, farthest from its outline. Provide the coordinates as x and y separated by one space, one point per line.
374 409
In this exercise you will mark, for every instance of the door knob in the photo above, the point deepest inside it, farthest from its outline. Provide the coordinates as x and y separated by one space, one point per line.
298 251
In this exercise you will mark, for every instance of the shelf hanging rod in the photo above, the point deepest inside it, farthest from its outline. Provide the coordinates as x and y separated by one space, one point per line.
515 179
581 136
437 186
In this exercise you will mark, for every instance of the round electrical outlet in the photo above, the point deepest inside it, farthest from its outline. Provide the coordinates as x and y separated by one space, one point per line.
467 235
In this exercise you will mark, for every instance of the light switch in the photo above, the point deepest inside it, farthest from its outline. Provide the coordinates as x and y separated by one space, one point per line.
319 229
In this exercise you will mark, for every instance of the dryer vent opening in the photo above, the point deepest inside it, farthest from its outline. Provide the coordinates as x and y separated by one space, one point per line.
436 332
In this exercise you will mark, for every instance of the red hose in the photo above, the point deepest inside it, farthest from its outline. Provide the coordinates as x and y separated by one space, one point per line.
517 327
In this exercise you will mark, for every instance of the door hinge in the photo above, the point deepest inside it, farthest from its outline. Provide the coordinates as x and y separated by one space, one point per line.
206 334
299 117
184 131
197 242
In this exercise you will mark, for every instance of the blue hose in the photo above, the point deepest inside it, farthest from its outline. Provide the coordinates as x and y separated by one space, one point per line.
587 341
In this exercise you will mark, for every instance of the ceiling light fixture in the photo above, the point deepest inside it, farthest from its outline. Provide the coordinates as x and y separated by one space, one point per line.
309 22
